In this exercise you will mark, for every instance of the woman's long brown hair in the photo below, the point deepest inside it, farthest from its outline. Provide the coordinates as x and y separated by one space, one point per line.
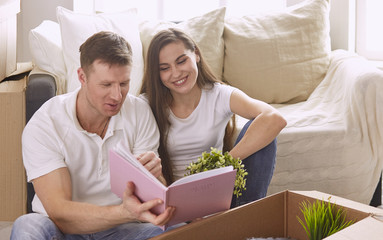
159 96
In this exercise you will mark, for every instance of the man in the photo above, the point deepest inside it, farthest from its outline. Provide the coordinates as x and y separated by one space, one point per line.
65 152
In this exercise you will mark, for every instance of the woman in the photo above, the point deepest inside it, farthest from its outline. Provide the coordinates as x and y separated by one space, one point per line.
192 108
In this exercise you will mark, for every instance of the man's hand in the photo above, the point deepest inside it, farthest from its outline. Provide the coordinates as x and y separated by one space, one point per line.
151 162
133 208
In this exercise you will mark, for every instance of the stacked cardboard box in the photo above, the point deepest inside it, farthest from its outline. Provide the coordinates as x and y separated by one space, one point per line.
276 216
12 173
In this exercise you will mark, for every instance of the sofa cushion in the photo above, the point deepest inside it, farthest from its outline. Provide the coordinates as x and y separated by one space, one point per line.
206 30
77 27
280 56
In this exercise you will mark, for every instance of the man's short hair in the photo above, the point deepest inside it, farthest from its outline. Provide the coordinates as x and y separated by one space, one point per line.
108 47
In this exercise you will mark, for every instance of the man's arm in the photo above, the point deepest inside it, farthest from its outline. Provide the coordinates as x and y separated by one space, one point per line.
55 192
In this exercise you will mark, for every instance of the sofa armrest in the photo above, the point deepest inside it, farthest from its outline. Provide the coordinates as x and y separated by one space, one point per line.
358 85
40 88
332 141
365 95
362 98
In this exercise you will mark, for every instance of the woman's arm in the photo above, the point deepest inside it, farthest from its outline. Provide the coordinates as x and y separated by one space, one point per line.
267 124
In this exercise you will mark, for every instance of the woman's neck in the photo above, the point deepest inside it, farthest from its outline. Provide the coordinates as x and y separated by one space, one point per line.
183 105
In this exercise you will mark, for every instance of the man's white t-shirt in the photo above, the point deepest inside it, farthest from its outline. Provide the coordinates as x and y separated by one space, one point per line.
53 139
204 128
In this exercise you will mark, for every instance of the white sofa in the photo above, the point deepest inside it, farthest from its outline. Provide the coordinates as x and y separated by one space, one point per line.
334 137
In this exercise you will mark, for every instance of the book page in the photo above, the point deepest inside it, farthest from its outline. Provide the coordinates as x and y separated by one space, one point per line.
202 175
124 151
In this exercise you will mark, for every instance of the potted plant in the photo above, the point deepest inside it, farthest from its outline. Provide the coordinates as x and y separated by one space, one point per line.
215 159
321 219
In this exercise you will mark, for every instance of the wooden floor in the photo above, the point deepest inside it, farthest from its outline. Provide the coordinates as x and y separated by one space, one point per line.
5 230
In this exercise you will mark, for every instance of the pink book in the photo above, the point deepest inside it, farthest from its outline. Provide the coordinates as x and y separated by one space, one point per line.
193 196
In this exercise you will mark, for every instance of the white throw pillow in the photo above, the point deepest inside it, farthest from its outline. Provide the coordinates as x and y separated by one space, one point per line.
46 49
279 57
206 31
76 28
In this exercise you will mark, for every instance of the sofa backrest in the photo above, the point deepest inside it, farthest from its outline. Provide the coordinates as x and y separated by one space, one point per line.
276 57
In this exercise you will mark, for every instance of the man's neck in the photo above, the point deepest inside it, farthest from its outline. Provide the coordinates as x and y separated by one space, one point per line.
90 120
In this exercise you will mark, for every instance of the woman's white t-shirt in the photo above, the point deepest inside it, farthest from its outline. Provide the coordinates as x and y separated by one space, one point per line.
204 128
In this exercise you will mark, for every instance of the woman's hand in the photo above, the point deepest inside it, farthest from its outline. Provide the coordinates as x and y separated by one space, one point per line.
151 162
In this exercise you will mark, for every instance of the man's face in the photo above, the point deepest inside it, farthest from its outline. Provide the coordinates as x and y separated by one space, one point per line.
105 87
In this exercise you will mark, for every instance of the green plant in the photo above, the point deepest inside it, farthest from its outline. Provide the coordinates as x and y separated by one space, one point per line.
215 159
322 219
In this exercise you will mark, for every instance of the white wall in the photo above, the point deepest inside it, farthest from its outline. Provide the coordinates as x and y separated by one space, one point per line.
8 29
342 23
32 13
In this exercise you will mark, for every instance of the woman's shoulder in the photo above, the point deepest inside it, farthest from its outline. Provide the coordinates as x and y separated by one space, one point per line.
136 103
217 88
144 97
136 100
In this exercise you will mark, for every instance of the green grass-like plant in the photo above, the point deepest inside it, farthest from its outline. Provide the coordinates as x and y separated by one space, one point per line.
321 219
215 159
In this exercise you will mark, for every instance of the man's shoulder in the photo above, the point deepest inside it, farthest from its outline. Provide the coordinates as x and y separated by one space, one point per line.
60 100
54 109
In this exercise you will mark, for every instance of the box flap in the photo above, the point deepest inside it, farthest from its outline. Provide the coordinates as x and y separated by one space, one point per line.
369 228
14 86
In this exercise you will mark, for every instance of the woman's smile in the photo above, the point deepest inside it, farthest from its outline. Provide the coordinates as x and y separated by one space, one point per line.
180 82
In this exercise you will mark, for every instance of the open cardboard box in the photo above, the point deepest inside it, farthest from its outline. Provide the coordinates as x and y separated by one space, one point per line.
276 216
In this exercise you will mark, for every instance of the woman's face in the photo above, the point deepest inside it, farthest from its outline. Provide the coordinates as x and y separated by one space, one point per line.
178 68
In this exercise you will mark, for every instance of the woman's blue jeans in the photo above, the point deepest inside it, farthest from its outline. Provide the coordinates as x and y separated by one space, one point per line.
260 167
39 227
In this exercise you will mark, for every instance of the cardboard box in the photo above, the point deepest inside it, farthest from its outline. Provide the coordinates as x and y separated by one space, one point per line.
276 216
8 34
12 173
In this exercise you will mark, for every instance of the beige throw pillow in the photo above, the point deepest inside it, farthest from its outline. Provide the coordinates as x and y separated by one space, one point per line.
206 30
281 56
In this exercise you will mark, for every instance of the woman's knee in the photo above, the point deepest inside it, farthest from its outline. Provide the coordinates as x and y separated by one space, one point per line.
243 131
271 147
268 152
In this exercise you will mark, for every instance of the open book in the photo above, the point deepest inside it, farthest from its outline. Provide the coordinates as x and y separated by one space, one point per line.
193 196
